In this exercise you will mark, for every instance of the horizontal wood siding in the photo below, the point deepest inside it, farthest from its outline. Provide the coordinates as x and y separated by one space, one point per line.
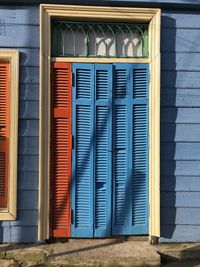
19 28
180 127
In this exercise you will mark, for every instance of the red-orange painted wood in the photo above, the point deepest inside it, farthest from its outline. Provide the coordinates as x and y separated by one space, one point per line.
61 147
4 131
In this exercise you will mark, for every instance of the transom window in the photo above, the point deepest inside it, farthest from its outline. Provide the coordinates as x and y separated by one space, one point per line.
86 39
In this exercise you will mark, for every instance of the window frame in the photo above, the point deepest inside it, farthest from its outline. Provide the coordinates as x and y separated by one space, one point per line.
12 56
152 16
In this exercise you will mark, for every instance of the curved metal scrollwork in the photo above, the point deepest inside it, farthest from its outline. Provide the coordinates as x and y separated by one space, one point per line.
83 39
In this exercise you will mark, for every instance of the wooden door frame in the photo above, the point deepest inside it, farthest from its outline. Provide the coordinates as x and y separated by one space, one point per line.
91 13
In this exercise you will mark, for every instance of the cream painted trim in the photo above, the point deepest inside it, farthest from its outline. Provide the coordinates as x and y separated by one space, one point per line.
91 13
100 60
12 56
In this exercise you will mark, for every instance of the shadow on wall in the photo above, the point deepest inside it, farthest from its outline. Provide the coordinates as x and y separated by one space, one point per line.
168 130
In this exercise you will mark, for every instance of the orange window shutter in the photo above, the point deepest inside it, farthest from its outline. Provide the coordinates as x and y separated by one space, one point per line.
61 146
4 131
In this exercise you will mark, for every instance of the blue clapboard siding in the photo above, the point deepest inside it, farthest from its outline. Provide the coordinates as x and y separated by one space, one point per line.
19 29
184 97
180 184
180 126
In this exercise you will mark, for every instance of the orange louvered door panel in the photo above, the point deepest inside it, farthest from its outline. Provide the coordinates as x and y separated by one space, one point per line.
4 132
61 146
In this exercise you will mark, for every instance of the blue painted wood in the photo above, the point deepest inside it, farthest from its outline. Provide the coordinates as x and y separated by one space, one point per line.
180 40
24 234
180 79
29 127
29 92
130 210
186 168
5 233
180 61
28 15
180 151
145 3
83 158
180 233
180 183
29 110
28 180
180 97
29 75
29 57
15 36
19 28
28 163
26 217
28 145
184 216
103 150
180 132
180 19
27 199
180 115
180 199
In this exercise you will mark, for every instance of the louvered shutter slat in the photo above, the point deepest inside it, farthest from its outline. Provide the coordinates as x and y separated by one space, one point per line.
103 147
83 132
4 132
130 189
61 149
140 150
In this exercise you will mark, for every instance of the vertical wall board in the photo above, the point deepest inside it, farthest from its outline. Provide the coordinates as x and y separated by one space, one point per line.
180 126
19 29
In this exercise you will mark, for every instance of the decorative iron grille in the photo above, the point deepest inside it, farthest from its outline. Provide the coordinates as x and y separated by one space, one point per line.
83 39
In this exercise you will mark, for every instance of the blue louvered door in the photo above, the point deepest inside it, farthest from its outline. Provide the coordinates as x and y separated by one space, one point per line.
103 150
110 150
92 152
130 142
83 149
